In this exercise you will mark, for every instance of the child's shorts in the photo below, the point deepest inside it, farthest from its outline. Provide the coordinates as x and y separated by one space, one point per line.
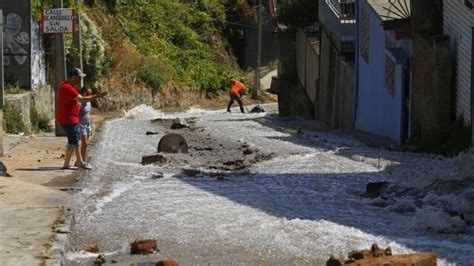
86 130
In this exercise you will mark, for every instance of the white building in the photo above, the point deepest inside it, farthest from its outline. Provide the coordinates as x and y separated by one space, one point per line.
458 22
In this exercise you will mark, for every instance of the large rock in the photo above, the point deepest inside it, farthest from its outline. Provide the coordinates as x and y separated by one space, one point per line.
173 143
143 247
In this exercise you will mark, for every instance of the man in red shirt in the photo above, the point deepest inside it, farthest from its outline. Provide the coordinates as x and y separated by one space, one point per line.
67 116
236 92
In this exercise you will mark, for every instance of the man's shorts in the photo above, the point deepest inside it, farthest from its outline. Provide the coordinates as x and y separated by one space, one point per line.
73 133
86 129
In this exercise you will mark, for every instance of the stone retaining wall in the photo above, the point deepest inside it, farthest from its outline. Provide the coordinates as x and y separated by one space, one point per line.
42 98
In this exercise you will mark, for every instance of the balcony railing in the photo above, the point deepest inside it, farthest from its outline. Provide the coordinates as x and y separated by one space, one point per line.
343 9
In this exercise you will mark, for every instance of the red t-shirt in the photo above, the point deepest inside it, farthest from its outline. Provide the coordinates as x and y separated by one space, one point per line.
68 108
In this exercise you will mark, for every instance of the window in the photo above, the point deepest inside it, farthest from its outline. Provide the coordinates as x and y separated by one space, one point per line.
389 75
365 38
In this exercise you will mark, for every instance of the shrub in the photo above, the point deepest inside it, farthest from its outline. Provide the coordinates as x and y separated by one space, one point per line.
179 34
94 57
154 72
12 119
299 13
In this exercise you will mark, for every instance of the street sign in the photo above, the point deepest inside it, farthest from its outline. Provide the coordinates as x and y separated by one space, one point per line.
59 20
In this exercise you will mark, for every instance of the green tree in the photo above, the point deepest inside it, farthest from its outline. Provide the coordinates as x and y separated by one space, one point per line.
298 13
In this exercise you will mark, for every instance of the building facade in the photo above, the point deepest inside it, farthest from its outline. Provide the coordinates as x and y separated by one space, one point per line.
383 67
334 102
458 21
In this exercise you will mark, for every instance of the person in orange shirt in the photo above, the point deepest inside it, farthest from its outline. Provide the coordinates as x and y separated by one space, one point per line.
236 92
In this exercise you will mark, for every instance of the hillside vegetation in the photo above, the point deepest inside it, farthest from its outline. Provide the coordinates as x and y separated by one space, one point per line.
162 47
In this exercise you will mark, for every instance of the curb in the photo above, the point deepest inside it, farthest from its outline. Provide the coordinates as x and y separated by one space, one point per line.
59 246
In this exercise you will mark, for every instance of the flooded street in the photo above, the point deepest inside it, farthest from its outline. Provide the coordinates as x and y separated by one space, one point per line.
257 197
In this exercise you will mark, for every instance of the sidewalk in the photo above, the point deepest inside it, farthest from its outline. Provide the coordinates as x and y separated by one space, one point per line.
31 199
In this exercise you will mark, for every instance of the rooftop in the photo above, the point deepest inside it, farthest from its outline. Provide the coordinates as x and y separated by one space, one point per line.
391 9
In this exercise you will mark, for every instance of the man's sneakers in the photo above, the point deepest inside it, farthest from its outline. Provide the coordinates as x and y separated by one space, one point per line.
85 166
69 167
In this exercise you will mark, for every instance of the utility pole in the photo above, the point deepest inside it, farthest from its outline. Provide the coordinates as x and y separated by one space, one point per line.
1 82
59 66
259 50
472 89
77 42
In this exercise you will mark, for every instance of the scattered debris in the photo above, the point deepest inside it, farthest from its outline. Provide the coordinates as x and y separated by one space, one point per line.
247 152
157 176
92 249
179 123
442 187
158 120
190 171
234 162
173 143
62 230
379 256
160 263
374 189
203 149
257 109
148 133
417 259
100 260
167 263
335 261
143 247
149 159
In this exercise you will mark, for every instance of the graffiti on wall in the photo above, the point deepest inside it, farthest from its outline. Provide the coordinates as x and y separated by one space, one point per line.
13 39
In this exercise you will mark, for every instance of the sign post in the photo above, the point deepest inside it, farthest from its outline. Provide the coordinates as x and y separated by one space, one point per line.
58 21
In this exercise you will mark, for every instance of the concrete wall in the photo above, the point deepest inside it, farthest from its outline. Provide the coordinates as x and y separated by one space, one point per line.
458 23
431 71
17 42
293 99
307 63
42 98
327 81
378 110
431 84
345 102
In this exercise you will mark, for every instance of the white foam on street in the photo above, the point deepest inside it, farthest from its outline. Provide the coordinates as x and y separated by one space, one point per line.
297 208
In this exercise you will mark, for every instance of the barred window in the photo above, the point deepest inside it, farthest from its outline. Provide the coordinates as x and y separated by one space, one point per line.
365 36
389 75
